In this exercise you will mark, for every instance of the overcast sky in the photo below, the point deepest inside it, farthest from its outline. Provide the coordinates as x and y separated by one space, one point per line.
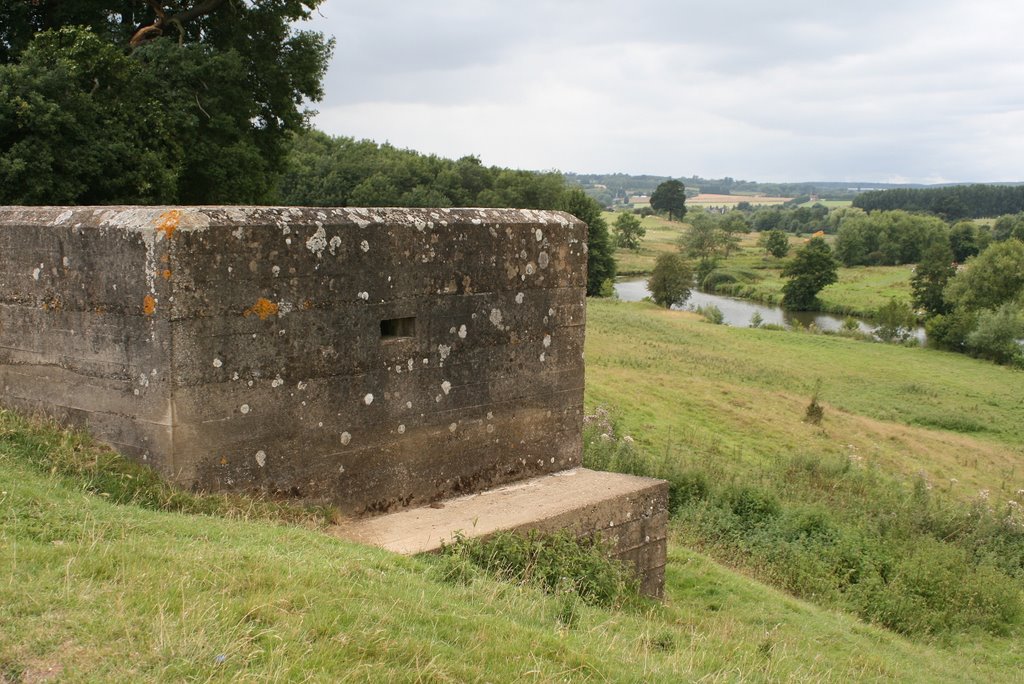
898 90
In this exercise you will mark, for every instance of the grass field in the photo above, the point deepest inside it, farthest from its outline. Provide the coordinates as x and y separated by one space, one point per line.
662 236
98 591
93 589
738 394
859 292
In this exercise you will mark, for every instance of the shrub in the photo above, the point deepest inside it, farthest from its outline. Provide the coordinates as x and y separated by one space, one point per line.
712 314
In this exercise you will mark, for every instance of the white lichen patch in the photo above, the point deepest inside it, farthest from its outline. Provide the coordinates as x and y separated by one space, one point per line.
345 439
244 408
453 427
217 363
547 341
368 399
401 429
365 296
543 260
519 298
446 387
334 244
277 382
36 272
317 242
65 262
539 235
462 331
276 270
542 357
495 318
408 404
410 364
261 458
365 246
143 379
530 268
444 350
63 217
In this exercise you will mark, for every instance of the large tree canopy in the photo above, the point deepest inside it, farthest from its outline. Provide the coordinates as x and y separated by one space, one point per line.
670 197
106 101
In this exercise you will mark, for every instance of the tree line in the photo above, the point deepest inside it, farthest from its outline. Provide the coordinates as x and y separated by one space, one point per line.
951 202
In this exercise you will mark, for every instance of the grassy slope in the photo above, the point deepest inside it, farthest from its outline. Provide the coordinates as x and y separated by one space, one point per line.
715 392
97 591
101 591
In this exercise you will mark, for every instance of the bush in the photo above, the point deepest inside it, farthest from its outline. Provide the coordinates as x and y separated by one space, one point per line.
896 321
712 314
997 333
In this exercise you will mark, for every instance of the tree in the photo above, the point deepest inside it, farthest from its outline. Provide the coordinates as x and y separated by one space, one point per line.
670 197
670 280
988 280
732 225
628 231
997 333
896 321
704 240
964 240
600 260
930 278
811 269
122 101
776 243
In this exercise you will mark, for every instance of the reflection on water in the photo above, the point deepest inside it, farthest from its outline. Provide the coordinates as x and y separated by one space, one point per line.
738 312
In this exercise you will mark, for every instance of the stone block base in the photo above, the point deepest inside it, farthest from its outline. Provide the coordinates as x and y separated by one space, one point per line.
630 513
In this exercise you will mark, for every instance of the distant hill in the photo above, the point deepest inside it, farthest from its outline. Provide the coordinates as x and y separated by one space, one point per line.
614 188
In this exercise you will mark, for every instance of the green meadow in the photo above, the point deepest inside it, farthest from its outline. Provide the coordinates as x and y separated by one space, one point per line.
750 273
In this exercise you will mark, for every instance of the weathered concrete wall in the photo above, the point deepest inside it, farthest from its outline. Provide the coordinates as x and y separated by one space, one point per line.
243 348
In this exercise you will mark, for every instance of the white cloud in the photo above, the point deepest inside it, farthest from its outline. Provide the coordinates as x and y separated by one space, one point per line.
791 90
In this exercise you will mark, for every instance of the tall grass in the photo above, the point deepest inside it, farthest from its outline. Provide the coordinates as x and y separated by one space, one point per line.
903 555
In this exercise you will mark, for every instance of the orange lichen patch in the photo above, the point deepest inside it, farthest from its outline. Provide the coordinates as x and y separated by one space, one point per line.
168 222
148 305
166 274
262 308
223 460
307 304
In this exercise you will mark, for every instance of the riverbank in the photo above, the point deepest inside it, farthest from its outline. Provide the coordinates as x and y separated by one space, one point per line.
742 312
749 273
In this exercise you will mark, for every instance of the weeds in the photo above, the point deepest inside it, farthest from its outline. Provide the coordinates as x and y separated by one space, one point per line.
576 569
899 554
97 469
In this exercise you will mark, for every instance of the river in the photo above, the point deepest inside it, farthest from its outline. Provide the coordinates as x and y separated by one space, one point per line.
738 312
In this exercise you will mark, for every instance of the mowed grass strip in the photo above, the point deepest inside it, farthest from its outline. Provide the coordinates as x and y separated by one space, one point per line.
683 386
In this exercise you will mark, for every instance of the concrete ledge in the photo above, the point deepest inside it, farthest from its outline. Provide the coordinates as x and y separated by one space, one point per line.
629 512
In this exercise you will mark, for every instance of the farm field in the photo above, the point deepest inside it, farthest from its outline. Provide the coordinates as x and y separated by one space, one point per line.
711 200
